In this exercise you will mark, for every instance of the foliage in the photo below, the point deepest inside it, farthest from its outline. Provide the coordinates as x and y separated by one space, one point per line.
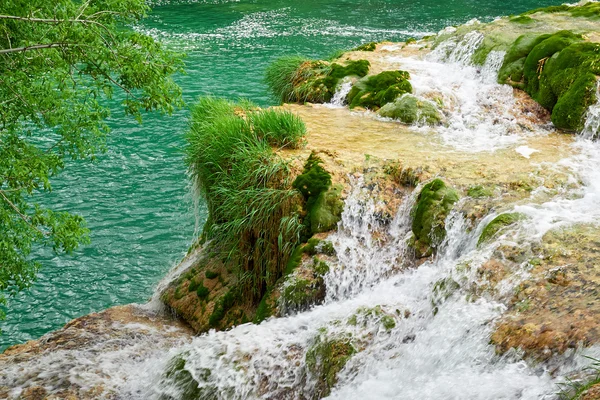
377 90
58 61
252 208
211 274
289 78
572 390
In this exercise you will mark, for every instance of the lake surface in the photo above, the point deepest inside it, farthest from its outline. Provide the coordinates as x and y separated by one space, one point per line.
136 198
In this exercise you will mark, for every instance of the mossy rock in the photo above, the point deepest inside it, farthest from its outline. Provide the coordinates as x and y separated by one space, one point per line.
186 386
364 314
433 205
559 71
478 192
325 359
327 210
375 91
329 83
299 294
412 110
497 224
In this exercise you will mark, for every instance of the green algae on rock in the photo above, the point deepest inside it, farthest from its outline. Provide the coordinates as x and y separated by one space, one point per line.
325 359
412 110
434 203
375 91
497 224
323 203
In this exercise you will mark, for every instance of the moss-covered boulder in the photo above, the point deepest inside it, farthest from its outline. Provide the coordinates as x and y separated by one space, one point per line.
434 203
560 71
412 110
325 359
498 224
323 204
375 91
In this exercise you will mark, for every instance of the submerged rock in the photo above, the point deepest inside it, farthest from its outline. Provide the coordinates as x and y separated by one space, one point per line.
412 110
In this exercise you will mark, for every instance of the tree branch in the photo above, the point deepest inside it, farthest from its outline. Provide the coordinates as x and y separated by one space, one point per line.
21 215
35 47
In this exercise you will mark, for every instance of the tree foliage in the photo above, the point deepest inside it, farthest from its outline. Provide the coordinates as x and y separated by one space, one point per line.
59 62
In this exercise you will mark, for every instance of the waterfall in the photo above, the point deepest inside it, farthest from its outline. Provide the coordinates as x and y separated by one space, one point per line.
339 98
415 332
591 129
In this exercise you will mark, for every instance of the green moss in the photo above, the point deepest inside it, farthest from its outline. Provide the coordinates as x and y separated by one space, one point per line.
411 40
478 192
296 79
497 224
325 359
388 322
211 274
187 387
535 64
559 71
327 210
412 110
299 294
371 46
178 293
511 71
193 286
434 203
404 176
222 305
375 91
202 291
548 10
320 267
522 19
322 204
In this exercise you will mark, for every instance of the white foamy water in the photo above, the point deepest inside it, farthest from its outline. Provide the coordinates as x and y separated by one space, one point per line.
591 129
481 115
339 98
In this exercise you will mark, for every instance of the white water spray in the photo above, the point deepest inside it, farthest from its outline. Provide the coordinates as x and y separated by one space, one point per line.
339 98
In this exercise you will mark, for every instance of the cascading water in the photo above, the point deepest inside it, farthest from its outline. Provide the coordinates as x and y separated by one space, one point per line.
339 98
591 129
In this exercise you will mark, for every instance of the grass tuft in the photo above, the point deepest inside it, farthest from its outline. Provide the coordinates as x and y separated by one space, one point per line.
253 211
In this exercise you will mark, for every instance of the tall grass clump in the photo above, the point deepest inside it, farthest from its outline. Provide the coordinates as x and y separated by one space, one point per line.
279 128
253 210
291 79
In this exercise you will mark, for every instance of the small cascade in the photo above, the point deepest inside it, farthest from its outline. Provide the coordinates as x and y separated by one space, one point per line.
458 51
367 248
480 114
591 129
339 98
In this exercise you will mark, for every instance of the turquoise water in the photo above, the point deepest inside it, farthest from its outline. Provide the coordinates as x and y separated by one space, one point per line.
135 197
